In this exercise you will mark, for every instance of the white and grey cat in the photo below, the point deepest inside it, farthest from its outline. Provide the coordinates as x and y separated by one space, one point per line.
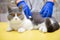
17 20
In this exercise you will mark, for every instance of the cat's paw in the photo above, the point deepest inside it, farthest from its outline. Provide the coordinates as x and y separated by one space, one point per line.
21 30
43 27
9 29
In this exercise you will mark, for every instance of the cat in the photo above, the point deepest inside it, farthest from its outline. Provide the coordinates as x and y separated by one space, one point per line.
44 24
17 20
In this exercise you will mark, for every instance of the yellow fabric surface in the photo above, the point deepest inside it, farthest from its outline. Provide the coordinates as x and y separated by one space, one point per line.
27 35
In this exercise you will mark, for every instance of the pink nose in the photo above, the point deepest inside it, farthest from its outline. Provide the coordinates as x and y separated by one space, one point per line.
15 18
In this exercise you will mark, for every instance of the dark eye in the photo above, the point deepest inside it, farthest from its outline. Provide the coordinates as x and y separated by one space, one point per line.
18 14
12 14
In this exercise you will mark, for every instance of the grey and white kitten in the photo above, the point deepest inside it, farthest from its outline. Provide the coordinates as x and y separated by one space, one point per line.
44 24
17 20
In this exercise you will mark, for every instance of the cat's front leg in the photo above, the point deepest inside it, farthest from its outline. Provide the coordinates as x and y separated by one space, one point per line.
21 29
42 27
9 29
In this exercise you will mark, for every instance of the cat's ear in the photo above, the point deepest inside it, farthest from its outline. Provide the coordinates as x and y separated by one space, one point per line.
20 8
9 9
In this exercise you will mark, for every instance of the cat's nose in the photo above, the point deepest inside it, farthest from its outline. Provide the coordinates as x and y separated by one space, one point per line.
15 18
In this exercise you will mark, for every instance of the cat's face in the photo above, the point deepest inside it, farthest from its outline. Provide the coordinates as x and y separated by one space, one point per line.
15 13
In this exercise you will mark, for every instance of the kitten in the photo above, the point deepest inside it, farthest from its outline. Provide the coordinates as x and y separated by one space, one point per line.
44 24
17 20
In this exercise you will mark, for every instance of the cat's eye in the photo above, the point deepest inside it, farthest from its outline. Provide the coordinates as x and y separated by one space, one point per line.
18 14
12 14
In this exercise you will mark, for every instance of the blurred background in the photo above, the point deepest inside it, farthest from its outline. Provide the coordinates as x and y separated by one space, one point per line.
4 11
